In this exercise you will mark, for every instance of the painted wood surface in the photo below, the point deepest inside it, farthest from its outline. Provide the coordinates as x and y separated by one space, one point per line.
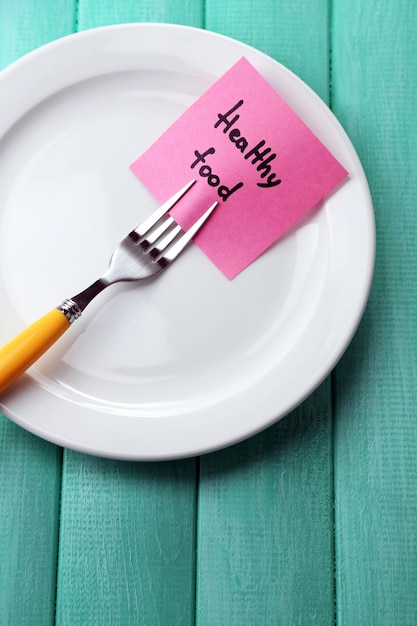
374 94
265 542
313 521
127 542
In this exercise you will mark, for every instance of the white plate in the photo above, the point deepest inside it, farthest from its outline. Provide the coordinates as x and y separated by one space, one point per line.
190 362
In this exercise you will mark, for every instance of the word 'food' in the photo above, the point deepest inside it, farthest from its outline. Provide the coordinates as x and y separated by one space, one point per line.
213 180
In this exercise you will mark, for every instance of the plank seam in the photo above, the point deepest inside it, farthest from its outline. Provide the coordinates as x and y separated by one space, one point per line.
58 535
204 16
196 529
330 44
333 389
333 392
76 15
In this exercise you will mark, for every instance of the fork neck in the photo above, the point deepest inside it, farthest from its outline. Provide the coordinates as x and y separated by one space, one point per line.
73 307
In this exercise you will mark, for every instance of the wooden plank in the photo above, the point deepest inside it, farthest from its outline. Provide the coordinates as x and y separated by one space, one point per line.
279 29
30 482
127 543
375 96
27 24
30 469
265 540
265 529
92 13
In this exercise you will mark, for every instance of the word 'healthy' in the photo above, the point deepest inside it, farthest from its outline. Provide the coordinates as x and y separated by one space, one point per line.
260 156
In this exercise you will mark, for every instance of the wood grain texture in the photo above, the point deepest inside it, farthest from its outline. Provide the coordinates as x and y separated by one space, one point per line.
375 97
127 543
265 528
265 540
30 481
294 33
27 24
92 13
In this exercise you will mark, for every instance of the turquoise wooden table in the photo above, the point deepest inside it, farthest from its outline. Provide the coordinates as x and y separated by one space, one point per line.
313 521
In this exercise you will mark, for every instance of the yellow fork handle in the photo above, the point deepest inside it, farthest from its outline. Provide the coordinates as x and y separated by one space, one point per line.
22 351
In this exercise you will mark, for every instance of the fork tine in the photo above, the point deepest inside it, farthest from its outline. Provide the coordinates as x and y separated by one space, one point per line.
151 221
164 241
173 251
156 233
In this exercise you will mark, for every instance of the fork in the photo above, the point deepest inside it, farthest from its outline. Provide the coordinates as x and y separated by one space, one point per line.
145 252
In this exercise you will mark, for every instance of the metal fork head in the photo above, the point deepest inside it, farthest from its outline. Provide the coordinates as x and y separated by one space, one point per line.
153 245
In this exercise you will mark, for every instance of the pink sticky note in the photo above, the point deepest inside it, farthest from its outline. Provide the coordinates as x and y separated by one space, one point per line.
250 151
